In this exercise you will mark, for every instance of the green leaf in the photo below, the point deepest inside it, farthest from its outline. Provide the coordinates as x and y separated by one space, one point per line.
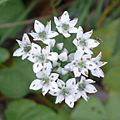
4 55
112 79
91 110
113 106
9 11
28 110
15 81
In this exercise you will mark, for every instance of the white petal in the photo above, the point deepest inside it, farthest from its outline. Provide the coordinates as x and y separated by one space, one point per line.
60 83
60 46
86 57
84 71
75 42
54 76
38 26
76 72
87 50
69 67
48 27
20 43
34 35
59 99
88 81
53 56
92 43
37 67
32 58
18 52
66 34
63 56
24 56
61 71
69 100
73 22
78 55
47 67
53 86
71 57
73 30
36 49
57 22
84 95
54 92
71 82
82 79
45 89
65 17
36 84
26 39
52 34
90 89
97 72
46 50
60 29
87 35
79 32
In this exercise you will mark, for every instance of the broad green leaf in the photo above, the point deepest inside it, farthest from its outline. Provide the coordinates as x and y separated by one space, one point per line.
4 55
112 79
15 81
9 11
28 110
113 106
91 110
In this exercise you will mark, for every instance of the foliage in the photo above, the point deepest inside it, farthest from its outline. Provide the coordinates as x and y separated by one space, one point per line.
16 75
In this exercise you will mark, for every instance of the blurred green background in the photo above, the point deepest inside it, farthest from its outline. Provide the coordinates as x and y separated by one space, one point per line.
17 102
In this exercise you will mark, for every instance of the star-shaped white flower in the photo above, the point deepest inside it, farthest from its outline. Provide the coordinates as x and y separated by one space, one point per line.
40 56
65 91
46 80
64 25
44 33
80 64
96 70
84 42
83 87
25 47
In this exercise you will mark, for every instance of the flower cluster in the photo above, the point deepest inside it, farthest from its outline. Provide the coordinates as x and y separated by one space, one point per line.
52 61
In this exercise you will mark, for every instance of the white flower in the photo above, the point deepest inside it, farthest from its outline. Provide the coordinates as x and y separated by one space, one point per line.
25 47
60 46
46 81
64 25
83 87
61 71
65 91
39 57
63 56
43 33
84 42
95 69
80 64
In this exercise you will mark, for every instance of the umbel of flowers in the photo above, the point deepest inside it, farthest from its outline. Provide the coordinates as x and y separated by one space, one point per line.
50 67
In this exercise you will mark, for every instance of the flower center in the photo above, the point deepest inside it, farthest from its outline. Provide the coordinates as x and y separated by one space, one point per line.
81 86
42 34
82 42
65 91
41 58
65 26
27 48
81 64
